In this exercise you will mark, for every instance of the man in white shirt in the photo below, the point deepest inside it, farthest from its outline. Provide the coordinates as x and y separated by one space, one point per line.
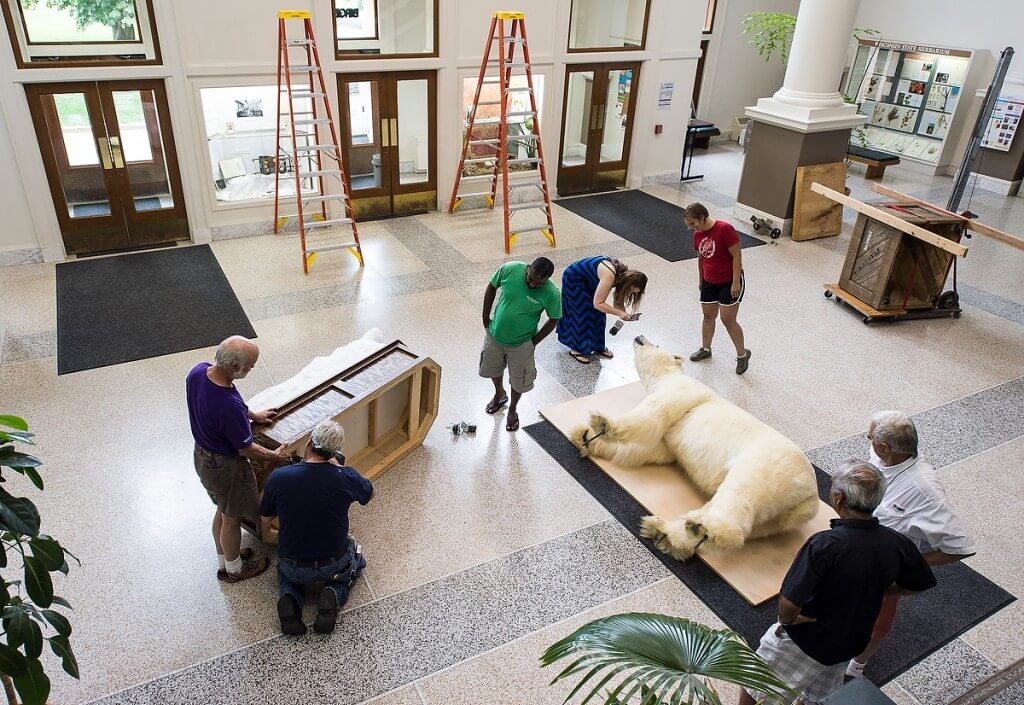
915 505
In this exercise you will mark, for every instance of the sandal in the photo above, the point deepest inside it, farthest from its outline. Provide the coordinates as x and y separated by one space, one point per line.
606 354
580 357
494 404
512 422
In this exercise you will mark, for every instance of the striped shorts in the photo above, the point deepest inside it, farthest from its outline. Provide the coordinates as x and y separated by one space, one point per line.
796 669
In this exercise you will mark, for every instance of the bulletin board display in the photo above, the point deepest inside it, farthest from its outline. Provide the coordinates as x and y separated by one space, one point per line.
1003 124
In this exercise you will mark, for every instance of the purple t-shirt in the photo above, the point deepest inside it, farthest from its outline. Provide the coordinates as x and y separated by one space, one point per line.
218 416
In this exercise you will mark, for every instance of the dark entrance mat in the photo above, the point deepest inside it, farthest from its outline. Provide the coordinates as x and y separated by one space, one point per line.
924 623
137 306
643 219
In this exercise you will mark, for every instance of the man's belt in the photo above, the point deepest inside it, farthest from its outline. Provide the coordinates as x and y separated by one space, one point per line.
317 563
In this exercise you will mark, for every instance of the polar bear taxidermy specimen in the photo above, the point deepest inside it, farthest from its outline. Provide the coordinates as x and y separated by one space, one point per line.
759 481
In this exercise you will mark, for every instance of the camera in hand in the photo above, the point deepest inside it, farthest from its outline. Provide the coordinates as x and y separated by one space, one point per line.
617 326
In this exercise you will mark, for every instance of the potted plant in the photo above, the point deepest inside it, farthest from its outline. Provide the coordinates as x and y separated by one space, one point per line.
655 659
27 604
772 33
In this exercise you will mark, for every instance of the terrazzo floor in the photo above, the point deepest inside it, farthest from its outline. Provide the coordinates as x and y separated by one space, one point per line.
481 550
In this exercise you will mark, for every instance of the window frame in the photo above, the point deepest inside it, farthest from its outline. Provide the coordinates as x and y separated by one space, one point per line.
104 55
709 17
590 50
358 55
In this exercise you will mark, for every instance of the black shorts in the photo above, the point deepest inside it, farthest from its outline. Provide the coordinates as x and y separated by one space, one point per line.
722 293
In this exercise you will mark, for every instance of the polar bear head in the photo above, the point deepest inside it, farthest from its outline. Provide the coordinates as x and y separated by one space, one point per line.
653 363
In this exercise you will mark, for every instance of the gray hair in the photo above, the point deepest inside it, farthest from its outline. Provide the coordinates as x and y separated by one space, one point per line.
328 438
233 352
861 483
895 429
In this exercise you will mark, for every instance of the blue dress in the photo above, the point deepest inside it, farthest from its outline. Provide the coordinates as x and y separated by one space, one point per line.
581 327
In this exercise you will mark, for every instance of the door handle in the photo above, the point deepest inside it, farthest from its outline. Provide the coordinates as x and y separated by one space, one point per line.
384 142
394 132
115 150
104 149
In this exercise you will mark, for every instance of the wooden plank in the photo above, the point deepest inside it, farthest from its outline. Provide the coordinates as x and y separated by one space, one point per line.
815 215
415 387
976 226
889 219
756 571
860 305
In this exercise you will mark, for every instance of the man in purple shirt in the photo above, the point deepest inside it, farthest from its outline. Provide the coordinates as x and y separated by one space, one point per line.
221 427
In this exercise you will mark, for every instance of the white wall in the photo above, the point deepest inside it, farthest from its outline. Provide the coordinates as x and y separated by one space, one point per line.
734 75
18 231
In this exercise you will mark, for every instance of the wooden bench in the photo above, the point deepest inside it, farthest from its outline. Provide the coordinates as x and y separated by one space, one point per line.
876 161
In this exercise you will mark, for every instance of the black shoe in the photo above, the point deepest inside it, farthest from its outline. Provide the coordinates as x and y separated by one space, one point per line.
327 617
742 363
290 615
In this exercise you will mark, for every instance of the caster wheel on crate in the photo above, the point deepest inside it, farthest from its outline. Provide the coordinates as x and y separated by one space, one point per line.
948 300
757 226
776 233
828 294
956 314
866 319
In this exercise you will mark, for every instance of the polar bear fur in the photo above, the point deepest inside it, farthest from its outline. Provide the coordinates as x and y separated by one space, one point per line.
759 481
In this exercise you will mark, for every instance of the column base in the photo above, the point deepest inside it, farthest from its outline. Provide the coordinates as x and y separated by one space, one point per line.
745 213
805 118
768 181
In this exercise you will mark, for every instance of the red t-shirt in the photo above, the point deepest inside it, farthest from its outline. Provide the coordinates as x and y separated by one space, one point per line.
713 247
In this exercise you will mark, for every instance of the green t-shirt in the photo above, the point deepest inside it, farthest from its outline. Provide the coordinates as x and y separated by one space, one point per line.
518 311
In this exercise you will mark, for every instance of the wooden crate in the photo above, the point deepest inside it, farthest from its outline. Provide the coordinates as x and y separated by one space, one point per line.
386 401
815 215
889 269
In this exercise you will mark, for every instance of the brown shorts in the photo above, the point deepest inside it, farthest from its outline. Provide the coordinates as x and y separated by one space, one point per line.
230 482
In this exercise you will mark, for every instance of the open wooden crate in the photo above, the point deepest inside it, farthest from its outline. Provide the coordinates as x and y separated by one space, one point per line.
386 401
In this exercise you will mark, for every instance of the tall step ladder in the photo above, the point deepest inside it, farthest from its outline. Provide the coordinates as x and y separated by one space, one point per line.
503 68
303 126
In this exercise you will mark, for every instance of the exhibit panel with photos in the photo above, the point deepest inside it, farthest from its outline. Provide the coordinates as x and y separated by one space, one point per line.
1003 124
911 95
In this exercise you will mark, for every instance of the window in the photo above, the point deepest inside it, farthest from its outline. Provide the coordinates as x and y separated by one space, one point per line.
241 131
597 25
76 129
519 102
385 28
81 32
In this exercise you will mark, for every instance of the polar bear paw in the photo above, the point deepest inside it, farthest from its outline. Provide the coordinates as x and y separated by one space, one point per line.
579 437
678 539
600 425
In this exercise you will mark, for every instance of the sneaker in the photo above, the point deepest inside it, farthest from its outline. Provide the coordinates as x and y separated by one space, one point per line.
250 569
855 669
742 363
327 616
701 354
290 615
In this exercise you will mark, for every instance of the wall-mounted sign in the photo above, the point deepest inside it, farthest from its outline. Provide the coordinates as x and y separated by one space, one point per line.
1003 124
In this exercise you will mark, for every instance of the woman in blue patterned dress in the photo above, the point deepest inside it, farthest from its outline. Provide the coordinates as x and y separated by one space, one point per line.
586 285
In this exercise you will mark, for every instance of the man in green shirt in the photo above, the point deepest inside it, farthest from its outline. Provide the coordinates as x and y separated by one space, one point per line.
512 335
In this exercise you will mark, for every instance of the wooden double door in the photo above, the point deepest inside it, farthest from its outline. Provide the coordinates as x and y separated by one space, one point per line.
388 134
597 126
111 164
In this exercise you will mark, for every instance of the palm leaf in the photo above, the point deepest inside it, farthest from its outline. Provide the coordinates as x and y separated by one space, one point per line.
662 660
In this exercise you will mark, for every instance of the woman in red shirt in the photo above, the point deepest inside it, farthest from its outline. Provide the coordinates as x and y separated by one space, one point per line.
720 268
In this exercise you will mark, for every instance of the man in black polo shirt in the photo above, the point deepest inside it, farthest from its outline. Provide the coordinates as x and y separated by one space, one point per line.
833 592
311 500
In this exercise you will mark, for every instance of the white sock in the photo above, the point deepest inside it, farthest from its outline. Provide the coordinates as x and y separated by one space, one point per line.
855 669
220 561
234 566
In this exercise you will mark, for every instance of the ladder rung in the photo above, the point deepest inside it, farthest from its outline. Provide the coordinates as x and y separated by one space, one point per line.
321 172
477 178
319 199
315 147
328 248
485 141
527 184
492 79
511 137
517 40
315 121
477 193
489 102
480 160
326 223
299 42
513 207
304 112
303 69
524 113
305 94
530 229
516 66
521 90
525 160
487 121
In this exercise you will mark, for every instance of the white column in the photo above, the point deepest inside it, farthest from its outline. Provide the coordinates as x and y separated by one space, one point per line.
809 100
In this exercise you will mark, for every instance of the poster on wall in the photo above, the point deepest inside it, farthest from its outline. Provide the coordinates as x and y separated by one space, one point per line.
1003 124
665 95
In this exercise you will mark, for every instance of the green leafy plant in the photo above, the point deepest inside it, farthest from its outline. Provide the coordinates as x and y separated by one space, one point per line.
656 659
27 611
772 33
119 15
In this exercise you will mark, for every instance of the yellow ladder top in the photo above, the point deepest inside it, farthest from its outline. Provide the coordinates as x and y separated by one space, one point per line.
293 14
507 15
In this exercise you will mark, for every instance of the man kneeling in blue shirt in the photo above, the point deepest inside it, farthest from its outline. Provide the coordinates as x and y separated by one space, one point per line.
311 501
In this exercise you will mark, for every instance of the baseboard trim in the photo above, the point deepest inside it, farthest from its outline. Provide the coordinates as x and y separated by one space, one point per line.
23 255
744 212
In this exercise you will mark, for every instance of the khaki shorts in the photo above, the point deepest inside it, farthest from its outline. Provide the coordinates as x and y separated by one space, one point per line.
230 482
522 370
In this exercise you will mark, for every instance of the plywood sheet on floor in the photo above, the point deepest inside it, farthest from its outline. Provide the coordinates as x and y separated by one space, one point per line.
756 572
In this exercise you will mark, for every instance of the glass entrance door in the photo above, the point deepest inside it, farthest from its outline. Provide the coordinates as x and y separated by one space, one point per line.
597 124
110 160
388 123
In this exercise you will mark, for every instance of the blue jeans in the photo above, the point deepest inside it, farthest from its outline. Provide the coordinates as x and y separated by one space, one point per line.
339 575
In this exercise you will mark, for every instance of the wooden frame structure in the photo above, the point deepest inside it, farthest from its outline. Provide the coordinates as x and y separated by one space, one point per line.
386 401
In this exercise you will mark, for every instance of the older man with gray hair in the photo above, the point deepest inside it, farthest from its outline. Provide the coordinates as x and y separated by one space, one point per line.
310 500
220 422
833 592
915 505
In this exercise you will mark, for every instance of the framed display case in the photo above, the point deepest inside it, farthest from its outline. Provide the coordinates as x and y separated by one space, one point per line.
911 95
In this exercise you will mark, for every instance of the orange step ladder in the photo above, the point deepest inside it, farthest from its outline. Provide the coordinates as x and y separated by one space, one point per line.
301 146
506 63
